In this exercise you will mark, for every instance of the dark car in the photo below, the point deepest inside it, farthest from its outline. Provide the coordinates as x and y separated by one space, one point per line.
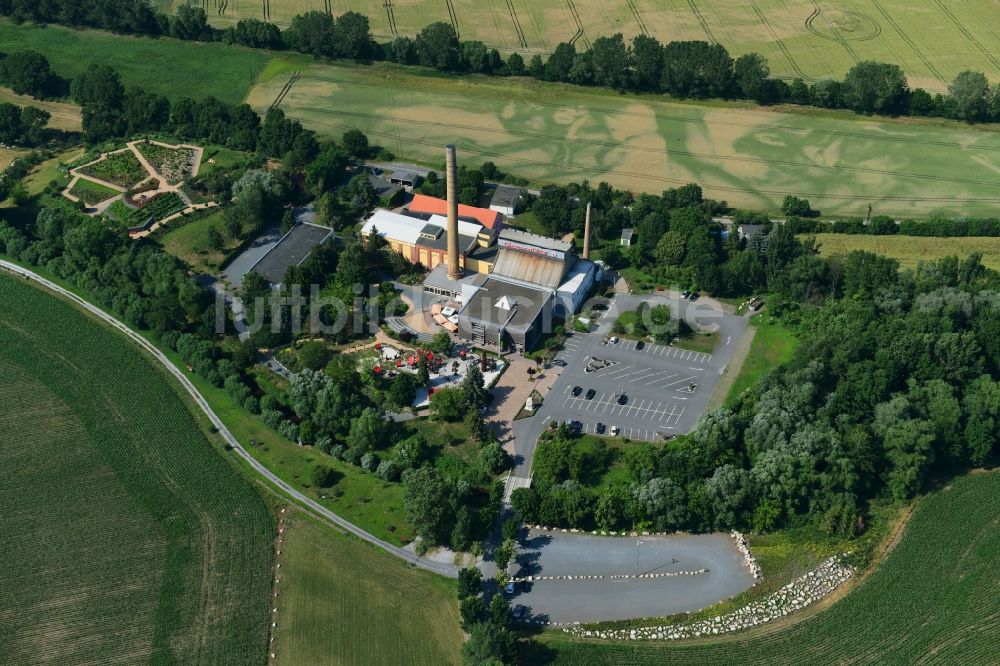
639 346
577 391
599 429
559 362
693 296
576 426
590 394
622 399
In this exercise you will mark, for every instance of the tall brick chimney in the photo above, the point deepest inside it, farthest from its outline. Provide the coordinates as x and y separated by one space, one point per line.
586 234
454 271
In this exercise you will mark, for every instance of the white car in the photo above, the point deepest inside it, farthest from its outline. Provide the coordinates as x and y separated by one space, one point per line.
614 431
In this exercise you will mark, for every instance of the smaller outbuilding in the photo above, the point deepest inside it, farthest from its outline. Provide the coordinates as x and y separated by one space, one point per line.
506 200
405 179
628 235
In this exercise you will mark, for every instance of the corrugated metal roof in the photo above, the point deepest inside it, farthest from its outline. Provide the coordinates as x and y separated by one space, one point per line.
536 240
529 268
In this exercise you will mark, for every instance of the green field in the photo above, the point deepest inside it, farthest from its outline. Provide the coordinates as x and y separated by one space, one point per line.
747 156
932 41
129 537
189 242
772 345
345 602
909 250
933 600
167 67
92 193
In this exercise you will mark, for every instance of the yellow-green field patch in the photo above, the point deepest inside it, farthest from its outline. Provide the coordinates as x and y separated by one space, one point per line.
63 116
909 250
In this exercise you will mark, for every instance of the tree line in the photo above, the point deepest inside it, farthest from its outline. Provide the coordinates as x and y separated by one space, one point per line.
695 69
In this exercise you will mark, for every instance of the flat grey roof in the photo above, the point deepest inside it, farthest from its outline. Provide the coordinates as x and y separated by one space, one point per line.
291 250
408 176
627 234
438 277
526 302
536 240
506 196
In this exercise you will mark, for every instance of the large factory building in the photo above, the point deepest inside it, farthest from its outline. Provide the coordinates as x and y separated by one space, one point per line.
506 285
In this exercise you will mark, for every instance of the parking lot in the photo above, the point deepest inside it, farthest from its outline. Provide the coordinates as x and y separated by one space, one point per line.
615 598
645 394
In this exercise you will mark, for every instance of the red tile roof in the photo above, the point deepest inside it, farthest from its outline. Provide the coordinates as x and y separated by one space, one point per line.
424 204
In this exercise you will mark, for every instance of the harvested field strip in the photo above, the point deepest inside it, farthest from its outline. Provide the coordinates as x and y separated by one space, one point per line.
63 116
934 594
129 536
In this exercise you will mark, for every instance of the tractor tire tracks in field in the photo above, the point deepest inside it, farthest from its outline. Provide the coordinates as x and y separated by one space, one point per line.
837 37
518 30
389 13
589 172
909 42
579 35
968 35
778 42
285 89
286 489
638 16
454 17
665 153
701 20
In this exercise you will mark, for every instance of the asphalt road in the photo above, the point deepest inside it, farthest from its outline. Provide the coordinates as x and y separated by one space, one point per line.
562 554
667 389
444 569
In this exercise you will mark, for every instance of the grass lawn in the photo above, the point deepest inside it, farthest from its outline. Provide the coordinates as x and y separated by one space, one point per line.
221 158
772 345
933 597
92 193
639 282
189 242
52 170
748 156
909 250
7 155
699 342
343 601
167 67
127 533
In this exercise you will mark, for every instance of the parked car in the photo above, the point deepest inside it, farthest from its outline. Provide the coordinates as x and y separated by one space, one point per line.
577 391
559 362
639 346
685 293
599 429
509 589
622 399
590 394
575 426
520 611
614 431
613 339
693 296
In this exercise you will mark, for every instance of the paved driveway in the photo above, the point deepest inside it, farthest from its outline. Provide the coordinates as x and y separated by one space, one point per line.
562 554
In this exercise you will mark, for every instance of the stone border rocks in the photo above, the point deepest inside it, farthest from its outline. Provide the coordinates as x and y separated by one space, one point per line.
748 559
665 574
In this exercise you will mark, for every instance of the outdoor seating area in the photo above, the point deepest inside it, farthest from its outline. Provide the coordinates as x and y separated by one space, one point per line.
446 317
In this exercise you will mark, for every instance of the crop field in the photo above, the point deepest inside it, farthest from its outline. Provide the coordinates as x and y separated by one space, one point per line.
811 39
122 168
92 193
127 538
342 601
909 250
749 157
933 600
166 67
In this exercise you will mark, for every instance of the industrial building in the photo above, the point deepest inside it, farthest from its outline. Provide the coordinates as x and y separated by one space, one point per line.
506 285
425 241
